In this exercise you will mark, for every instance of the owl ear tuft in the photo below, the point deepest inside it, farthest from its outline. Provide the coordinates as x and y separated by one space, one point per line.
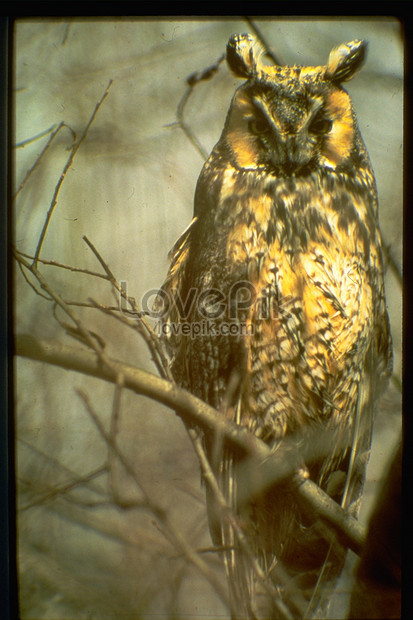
244 55
345 60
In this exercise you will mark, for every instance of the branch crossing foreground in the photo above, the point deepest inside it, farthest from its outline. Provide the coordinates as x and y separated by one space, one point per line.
272 466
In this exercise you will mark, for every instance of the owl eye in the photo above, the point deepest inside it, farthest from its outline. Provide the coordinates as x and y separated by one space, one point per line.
258 126
320 126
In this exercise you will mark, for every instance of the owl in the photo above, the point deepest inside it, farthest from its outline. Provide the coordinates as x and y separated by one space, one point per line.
276 306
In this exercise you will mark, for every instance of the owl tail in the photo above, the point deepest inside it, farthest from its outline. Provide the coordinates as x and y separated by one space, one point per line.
237 565
222 522
245 575
236 532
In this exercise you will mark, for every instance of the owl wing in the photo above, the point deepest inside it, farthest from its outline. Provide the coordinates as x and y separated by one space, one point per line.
169 302
351 293
378 365
172 286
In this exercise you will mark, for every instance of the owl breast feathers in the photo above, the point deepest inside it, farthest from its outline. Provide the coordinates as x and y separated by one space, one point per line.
285 251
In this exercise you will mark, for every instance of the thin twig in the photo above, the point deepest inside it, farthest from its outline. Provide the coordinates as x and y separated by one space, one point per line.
32 286
122 504
114 311
144 329
170 532
87 336
63 489
54 263
192 81
24 143
40 157
78 304
103 263
142 326
91 304
114 429
66 167
187 128
112 444
23 265
268 49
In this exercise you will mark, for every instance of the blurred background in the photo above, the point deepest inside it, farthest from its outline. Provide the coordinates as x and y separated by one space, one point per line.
130 191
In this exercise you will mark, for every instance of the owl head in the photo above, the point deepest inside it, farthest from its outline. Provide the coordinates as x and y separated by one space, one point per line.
290 119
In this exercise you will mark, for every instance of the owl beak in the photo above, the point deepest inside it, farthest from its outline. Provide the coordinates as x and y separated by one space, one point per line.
290 167
291 156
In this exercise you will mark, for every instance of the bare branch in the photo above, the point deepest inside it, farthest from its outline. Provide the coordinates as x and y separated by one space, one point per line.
192 81
170 532
64 488
32 286
114 428
68 164
348 530
103 263
55 130
54 263
141 325
38 136
86 335
270 466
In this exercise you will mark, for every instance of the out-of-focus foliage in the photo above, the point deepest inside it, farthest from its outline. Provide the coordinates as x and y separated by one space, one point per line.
130 190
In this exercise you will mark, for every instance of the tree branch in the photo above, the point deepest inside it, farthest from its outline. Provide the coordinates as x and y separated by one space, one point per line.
66 167
168 529
192 81
271 466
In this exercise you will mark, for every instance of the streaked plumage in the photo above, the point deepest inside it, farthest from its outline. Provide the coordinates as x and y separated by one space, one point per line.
286 230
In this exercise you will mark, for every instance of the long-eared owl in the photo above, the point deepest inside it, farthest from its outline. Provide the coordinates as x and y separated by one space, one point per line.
279 280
